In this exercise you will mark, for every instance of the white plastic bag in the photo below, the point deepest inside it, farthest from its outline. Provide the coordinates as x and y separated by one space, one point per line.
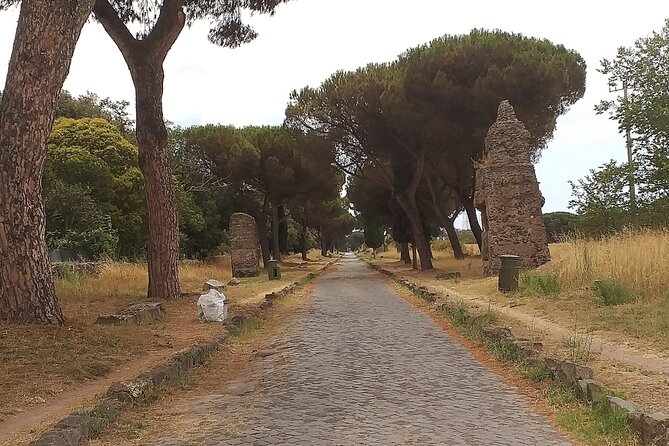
213 306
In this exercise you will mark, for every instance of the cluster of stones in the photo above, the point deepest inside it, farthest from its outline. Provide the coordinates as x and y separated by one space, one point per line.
136 313
508 196
244 246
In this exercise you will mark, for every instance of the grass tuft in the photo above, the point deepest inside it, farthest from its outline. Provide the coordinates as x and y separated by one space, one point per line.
612 293
542 283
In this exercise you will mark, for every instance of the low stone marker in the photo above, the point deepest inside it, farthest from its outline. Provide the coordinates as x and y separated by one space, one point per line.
137 313
244 246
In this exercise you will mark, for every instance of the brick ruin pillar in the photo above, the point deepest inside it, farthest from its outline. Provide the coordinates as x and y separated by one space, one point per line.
244 246
508 196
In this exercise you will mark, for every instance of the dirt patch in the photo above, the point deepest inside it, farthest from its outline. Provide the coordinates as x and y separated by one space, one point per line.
171 414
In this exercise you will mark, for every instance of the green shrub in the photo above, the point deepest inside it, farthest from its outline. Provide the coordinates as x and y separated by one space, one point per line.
535 282
612 293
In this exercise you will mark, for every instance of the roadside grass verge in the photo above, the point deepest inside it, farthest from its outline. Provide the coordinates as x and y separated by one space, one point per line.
592 425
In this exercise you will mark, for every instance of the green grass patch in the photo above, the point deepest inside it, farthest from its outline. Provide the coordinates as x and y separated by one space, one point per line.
134 429
612 293
596 426
539 283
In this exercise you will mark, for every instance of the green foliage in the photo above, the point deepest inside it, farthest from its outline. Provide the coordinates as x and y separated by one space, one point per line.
601 200
90 105
535 282
374 234
558 225
93 190
612 293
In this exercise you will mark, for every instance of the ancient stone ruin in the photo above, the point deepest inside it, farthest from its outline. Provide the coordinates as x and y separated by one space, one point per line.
508 196
244 246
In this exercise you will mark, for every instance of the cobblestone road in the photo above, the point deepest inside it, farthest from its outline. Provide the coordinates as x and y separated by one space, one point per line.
363 367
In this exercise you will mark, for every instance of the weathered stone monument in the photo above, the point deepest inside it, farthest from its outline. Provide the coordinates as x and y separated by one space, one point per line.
244 246
508 196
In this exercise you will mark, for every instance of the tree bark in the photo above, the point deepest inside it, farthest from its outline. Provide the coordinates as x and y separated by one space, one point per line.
474 224
163 217
404 253
46 35
261 222
453 239
145 60
276 249
415 256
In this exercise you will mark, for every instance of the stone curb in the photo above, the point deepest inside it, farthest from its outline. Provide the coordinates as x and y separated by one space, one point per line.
651 428
82 425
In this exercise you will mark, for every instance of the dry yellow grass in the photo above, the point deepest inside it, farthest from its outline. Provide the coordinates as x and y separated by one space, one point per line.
636 259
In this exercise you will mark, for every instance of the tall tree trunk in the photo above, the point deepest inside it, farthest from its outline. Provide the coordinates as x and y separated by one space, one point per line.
261 223
409 206
404 253
453 238
145 58
46 35
303 241
163 217
324 244
474 224
415 256
276 249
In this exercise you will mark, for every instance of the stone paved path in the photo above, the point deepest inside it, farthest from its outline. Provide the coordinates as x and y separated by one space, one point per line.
363 367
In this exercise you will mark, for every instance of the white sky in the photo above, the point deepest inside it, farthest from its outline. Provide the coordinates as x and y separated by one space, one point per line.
307 40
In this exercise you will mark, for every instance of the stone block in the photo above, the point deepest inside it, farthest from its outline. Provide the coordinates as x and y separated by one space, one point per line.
653 429
614 403
591 391
244 246
567 373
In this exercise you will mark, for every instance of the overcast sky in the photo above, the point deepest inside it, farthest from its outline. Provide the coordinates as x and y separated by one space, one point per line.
307 40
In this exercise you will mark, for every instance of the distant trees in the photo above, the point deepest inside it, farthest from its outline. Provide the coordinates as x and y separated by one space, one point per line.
558 225
46 35
417 125
285 178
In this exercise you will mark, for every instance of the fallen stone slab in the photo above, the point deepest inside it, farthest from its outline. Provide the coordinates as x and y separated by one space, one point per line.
137 313
234 281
